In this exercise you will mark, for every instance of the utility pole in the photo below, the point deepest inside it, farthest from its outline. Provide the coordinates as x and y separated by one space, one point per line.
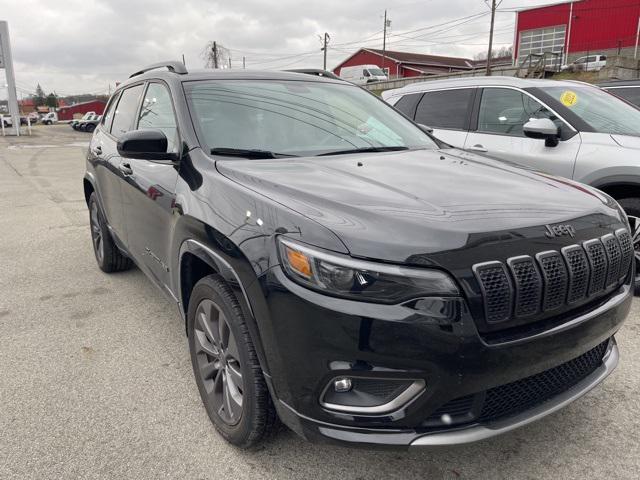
324 49
229 63
243 63
214 49
493 17
6 63
384 39
183 62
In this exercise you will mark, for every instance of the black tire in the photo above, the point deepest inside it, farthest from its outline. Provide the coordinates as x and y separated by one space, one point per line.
108 255
90 128
214 310
632 208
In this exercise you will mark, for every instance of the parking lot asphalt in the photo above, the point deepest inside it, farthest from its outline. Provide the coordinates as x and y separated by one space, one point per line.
95 378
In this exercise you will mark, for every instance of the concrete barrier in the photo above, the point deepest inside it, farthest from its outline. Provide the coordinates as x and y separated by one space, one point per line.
378 87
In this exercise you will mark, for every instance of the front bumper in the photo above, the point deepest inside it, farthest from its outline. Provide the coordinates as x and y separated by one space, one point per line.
311 339
467 434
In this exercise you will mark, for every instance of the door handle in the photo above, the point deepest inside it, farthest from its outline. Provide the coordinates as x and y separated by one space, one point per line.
478 148
125 168
97 150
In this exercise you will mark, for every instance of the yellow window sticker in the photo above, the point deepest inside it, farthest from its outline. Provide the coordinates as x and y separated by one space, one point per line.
569 98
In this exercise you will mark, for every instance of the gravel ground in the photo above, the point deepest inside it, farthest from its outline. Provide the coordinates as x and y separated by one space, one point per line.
95 379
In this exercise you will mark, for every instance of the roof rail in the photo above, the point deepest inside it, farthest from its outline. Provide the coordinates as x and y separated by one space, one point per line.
172 65
318 72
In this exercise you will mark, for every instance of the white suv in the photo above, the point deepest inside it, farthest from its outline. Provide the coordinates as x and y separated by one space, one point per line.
568 129
589 63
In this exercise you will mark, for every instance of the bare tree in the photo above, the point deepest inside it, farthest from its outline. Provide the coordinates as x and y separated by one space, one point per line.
500 52
215 55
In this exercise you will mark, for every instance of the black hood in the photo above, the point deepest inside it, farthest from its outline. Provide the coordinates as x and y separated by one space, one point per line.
406 206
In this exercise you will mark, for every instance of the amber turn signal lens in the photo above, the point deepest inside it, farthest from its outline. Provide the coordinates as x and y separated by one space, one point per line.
299 262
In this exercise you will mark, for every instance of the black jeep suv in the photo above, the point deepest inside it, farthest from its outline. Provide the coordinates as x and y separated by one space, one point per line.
342 271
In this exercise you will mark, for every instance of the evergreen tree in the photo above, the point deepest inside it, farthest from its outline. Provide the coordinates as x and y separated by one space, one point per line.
51 101
39 98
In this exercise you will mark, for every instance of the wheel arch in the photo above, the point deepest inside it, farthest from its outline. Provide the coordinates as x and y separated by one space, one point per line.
619 186
198 260
88 184
619 190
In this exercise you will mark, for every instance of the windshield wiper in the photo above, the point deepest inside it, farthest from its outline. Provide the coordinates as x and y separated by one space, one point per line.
247 153
365 150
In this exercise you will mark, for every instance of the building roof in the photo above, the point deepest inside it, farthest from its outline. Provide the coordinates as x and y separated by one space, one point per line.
428 63
423 59
82 103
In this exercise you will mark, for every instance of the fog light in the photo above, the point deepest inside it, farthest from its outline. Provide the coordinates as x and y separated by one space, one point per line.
342 385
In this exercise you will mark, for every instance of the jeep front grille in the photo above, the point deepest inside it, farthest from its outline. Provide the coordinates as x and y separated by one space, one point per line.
531 286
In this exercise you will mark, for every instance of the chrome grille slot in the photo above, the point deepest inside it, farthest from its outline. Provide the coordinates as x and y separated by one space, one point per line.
626 246
578 272
556 279
528 285
598 263
496 290
614 256
525 287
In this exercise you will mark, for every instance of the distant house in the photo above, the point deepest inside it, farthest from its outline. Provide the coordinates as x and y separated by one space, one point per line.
79 109
26 105
406 64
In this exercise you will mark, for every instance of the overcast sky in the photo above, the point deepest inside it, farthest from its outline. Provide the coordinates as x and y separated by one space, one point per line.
82 46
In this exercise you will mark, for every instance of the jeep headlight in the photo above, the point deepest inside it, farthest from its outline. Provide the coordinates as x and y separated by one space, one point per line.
347 277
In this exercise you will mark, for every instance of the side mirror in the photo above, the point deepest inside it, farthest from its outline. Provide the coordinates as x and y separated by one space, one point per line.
425 128
542 129
146 145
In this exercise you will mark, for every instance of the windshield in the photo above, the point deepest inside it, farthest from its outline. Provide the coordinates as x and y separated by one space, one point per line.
376 72
601 110
297 118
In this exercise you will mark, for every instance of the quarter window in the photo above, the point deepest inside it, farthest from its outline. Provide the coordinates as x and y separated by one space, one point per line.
505 111
108 114
157 113
126 111
407 104
445 109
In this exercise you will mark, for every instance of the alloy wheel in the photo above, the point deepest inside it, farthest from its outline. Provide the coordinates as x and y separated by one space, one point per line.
634 222
96 233
218 361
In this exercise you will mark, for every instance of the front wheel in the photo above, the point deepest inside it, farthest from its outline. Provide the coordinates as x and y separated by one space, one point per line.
226 366
632 208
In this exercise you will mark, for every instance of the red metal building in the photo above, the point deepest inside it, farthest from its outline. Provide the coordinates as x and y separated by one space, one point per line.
406 64
79 109
577 28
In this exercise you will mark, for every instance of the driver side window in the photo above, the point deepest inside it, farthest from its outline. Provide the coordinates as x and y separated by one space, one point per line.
504 111
157 113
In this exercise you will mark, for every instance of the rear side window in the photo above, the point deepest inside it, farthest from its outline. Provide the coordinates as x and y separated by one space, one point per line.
445 109
126 111
631 94
407 104
157 113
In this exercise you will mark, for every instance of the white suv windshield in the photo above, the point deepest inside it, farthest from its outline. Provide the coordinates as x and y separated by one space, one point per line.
604 112
376 72
297 117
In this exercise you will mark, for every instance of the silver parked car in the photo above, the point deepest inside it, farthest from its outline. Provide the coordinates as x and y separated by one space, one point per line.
564 128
